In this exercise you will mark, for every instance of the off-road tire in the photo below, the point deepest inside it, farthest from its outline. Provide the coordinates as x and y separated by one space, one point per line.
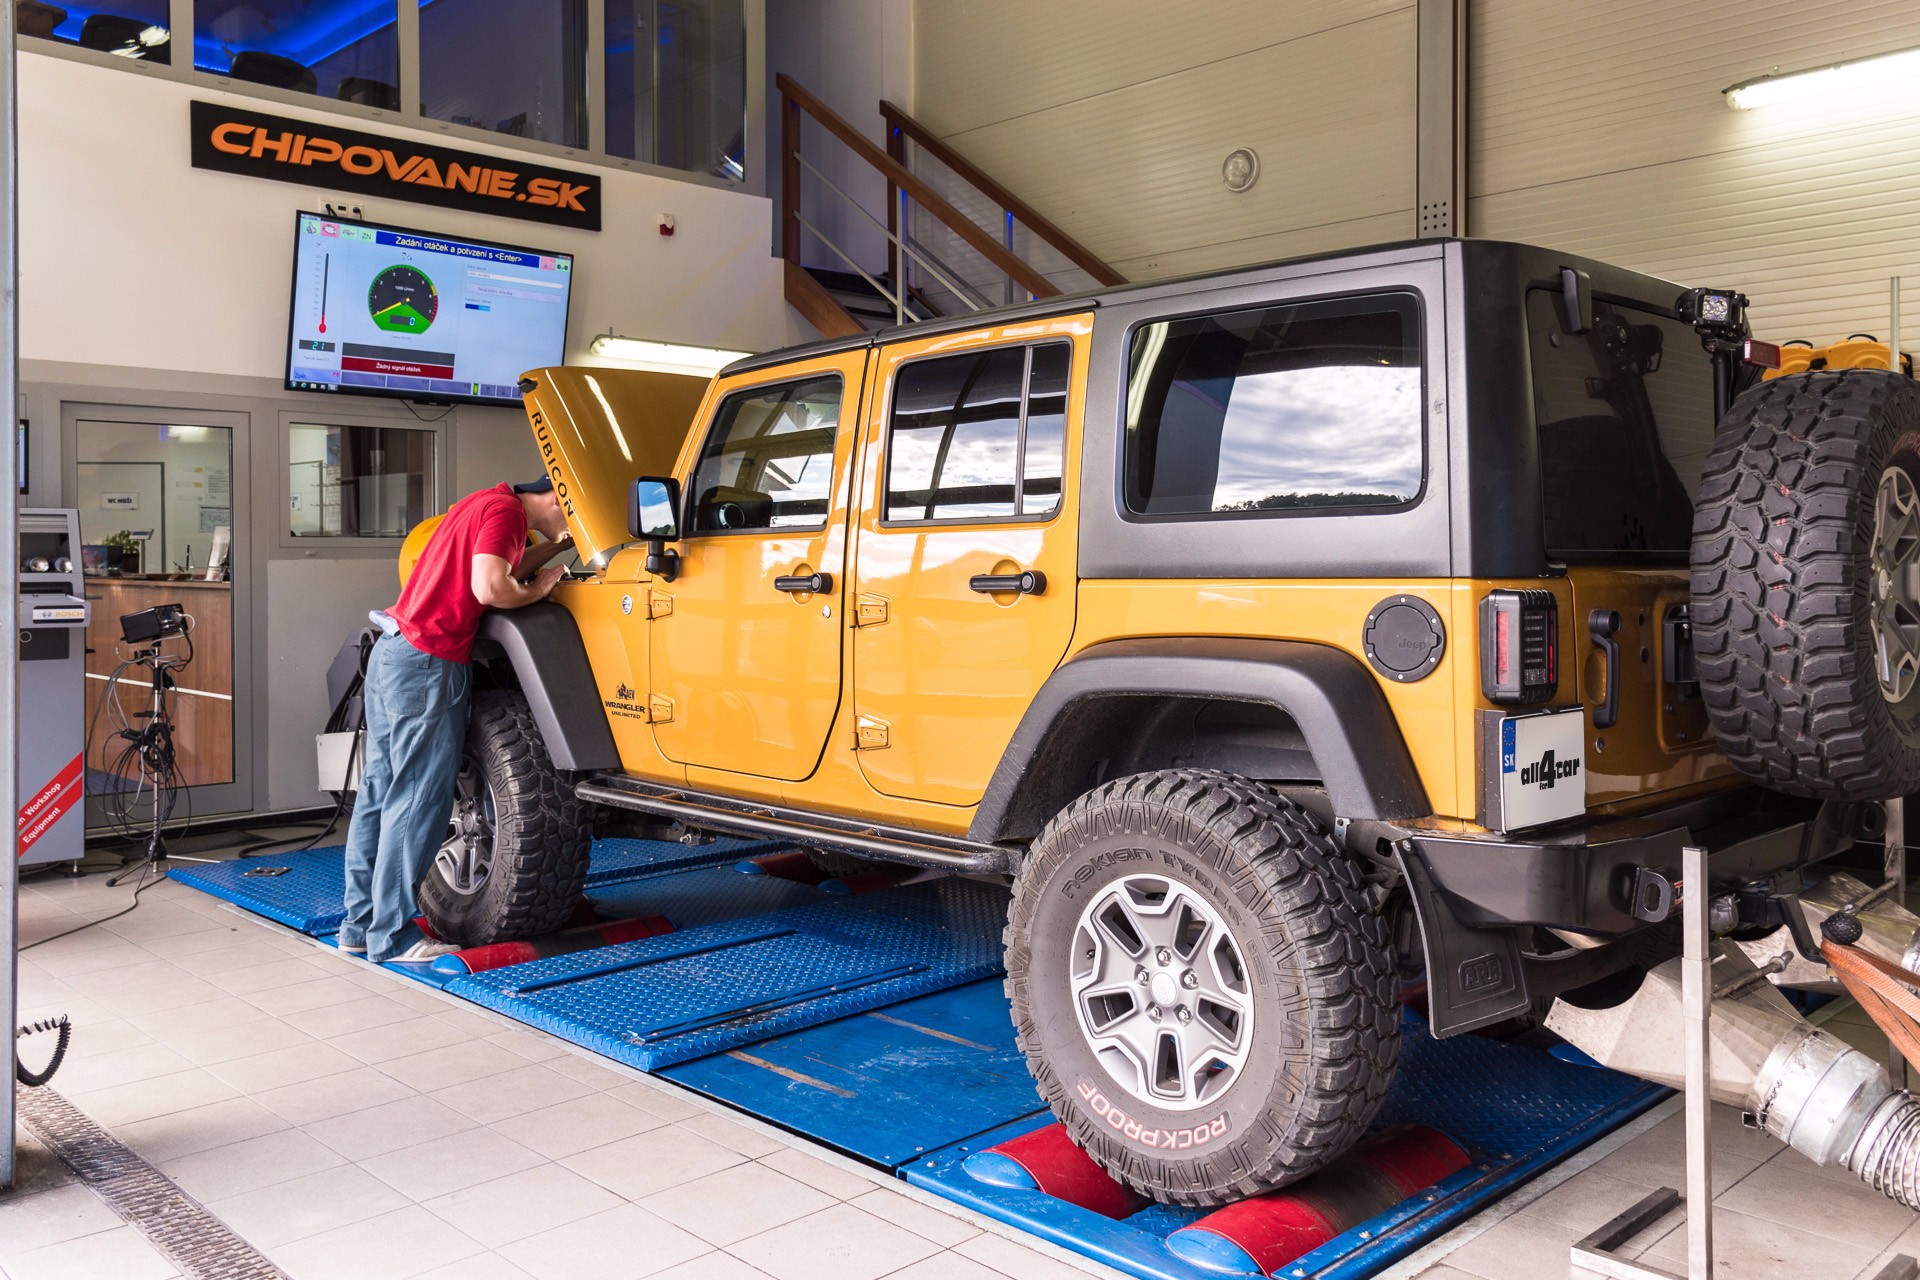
1325 1025
543 835
1782 543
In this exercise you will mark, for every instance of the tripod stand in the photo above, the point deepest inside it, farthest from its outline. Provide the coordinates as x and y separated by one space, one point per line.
150 748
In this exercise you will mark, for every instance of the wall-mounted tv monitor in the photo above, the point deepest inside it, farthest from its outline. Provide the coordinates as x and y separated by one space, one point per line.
385 311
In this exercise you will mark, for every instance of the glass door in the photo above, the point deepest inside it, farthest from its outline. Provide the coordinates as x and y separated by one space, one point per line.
157 502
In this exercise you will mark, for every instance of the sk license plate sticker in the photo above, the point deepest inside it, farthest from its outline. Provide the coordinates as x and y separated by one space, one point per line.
1542 773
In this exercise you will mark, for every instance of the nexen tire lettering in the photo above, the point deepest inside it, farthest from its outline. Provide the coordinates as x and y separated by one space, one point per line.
1120 1122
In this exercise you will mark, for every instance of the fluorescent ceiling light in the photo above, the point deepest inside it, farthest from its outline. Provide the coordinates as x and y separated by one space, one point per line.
1891 75
664 357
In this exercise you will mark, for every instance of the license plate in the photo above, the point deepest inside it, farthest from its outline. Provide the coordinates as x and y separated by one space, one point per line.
1539 769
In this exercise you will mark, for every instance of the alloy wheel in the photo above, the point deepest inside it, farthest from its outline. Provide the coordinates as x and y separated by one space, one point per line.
1161 990
1894 592
467 856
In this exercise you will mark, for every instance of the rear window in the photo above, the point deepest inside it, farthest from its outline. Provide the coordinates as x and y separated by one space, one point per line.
1309 406
1625 415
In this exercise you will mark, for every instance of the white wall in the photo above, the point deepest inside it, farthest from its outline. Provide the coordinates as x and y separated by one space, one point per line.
1600 128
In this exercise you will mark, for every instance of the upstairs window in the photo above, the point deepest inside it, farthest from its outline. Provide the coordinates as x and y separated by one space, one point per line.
350 53
136 29
1310 406
517 67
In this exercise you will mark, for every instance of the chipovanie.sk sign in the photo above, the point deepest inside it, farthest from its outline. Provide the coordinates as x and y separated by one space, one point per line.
252 143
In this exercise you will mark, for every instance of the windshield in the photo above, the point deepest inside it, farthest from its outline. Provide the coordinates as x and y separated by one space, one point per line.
1625 415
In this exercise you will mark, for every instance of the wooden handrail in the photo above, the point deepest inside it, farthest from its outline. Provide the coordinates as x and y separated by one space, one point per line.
818 307
793 95
1071 249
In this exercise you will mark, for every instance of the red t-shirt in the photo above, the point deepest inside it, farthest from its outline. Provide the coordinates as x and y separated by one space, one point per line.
437 612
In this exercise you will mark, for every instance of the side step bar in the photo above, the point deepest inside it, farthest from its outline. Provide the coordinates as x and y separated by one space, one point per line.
865 840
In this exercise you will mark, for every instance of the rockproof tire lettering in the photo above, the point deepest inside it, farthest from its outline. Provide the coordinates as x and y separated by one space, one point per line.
1183 1139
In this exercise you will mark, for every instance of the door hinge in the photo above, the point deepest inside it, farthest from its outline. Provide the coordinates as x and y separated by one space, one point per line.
869 610
871 733
659 709
659 605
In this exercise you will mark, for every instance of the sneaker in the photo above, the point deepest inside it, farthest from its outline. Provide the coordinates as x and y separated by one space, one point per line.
423 951
358 949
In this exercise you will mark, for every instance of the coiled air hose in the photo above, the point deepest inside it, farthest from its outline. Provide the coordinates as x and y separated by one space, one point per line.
1887 1153
34 1079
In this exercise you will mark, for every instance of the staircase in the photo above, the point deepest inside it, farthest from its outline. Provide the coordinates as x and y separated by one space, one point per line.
941 257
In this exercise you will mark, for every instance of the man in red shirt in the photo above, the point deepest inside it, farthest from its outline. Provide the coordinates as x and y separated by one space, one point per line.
415 695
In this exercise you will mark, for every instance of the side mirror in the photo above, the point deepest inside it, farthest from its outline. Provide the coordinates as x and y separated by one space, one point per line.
653 515
653 509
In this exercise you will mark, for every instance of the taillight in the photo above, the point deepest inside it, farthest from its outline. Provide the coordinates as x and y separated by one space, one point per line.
1519 646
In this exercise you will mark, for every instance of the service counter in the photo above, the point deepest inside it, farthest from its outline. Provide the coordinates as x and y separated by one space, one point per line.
202 702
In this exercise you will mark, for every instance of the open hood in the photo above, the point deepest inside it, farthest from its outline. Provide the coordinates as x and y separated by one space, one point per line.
597 429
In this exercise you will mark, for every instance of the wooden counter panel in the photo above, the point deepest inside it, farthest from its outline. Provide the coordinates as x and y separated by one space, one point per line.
202 704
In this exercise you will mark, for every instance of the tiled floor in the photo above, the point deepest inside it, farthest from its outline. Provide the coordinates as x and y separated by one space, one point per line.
353 1125
349 1123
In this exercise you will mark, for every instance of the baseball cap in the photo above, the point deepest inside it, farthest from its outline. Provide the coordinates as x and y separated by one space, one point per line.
543 485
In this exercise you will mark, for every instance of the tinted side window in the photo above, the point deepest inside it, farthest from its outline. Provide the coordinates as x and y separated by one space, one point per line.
1305 406
978 436
768 461
1046 429
1625 416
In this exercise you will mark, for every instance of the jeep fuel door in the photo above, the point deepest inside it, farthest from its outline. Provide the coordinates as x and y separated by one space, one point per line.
597 429
965 558
744 643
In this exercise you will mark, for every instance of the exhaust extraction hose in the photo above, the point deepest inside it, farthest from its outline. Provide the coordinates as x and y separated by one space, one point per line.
1887 1153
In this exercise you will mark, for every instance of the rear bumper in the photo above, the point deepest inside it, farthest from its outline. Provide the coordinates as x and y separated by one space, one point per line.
1580 878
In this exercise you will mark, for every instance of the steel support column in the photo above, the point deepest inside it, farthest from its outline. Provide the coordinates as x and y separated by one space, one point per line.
1440 119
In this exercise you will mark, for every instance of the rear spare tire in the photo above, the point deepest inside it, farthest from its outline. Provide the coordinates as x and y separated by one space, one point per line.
1202 990
1806 584
516 860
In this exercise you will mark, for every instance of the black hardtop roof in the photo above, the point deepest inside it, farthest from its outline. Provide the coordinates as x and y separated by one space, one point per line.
1650 287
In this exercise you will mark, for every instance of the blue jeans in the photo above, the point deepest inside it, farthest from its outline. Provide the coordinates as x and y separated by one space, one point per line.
416 722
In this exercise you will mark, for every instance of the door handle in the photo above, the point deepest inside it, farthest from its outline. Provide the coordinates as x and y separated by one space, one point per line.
1030 583
1601 626
810 584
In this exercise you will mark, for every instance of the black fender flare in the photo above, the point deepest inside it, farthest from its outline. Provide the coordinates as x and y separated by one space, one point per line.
1349 728
542 642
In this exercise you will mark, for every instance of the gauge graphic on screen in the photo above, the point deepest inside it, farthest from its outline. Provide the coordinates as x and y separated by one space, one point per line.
403 300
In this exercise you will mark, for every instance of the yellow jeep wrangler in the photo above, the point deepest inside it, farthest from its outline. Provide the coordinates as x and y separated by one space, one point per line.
1302 640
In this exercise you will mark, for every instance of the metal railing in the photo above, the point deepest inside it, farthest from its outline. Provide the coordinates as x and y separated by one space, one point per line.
905 191
1014 212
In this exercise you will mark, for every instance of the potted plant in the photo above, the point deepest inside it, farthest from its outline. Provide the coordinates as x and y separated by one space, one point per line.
125 556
